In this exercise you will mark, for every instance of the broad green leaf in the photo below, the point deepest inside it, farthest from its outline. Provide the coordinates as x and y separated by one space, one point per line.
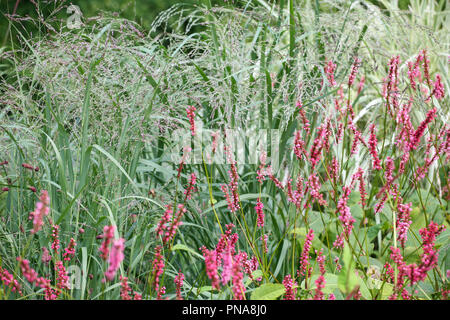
331 282
348 280
268 291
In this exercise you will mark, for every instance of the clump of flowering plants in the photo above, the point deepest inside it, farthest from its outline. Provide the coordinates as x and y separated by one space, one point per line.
344 195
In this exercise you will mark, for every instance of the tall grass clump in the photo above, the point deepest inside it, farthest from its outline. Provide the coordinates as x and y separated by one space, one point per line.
348 196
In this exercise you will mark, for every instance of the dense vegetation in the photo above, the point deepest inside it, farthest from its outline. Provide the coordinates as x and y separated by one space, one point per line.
129 168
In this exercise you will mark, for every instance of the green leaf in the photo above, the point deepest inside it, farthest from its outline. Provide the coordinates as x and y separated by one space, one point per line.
181 246
256 274
348 280
268 291
331 282
387 290
373 231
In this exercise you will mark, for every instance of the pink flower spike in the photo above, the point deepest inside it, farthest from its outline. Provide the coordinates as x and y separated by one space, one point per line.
42 210
55 236
179 284
354 71
62 282
415 139
115 258
329 72
69 252
373 148
211 267
304 259
259 210
108 235
9 281
438 88
191 115
289 285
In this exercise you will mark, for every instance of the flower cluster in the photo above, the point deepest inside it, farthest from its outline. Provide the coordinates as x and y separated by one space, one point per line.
42 210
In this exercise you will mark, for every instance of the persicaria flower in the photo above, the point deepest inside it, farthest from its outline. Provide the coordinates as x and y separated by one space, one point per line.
231 190
299 145
430 256
158 269
108 235
317 146
211 267
345 215
333 170
27 166
179 284
390 166
338 265
176 222
69 252
191 115
165 219
251 265
124 288
438 88
62 281
8 280
306 125
357 139
339 242
32 276
314 187
362 189
115 258
320 281
259 210
304 259
426 67
415 139
29 273
42 210
277 182
403 222
392 88
289 285
262 172
227 267
320 285
329 69
295 196
160 293
55 236
414 71
226 241
46 257
238 285
191 186
354 71
373 148
264 239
